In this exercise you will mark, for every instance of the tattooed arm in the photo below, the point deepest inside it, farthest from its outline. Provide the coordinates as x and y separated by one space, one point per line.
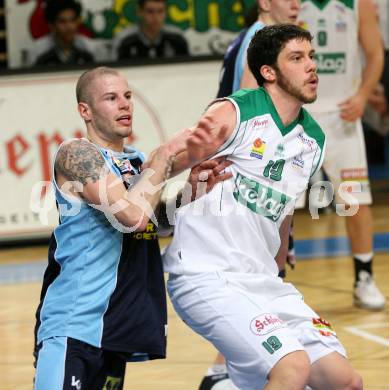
81 170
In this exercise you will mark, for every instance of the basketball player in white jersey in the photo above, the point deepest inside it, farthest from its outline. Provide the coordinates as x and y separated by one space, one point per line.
223 275
269 13
340 29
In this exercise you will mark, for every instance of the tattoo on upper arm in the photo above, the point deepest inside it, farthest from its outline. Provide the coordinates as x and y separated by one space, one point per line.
80 161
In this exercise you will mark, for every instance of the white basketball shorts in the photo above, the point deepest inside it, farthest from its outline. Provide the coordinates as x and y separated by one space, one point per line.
253 320
345 160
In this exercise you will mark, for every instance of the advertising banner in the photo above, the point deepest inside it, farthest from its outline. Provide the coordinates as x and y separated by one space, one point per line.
208 25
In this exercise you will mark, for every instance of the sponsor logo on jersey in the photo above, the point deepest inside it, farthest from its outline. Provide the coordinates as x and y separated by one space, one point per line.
124 166
298 161
330 63
265 323
280 151
324 327
340 26
321 23
305 140
354 174
260 199
260 124
341 8
150 233
258 149
303 25
76 383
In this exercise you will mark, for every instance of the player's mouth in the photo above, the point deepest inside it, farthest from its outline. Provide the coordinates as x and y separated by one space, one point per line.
313 81
124 120
293 19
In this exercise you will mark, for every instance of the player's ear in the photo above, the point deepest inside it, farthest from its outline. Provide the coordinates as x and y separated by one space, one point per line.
84 111
268 73
264 5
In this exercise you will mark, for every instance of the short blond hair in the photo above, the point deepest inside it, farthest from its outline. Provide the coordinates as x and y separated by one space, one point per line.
85 82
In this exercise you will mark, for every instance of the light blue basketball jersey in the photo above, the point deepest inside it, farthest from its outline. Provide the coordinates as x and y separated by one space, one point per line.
242 54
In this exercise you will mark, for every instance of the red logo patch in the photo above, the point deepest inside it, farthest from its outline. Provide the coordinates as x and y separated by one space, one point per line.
265 323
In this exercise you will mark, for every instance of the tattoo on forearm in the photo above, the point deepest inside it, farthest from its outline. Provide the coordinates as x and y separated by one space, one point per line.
80 161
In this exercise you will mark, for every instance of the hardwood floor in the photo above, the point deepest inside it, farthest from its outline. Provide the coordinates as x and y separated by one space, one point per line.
326 284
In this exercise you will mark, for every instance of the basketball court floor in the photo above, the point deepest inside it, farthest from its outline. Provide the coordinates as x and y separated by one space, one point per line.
323 274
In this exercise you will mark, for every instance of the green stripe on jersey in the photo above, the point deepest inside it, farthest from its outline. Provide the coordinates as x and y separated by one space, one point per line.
312 129
257 102
251 103
321 4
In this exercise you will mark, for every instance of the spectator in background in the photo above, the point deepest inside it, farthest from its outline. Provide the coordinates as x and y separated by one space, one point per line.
64 45
151 38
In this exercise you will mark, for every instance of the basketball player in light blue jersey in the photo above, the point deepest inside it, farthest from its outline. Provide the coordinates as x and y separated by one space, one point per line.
103 295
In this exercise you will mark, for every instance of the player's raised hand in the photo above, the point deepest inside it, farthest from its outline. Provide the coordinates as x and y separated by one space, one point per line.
209 173
206 138
177 143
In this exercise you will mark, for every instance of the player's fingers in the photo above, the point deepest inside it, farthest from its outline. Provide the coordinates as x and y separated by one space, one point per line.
207 124
223 177
344 104
208 164
204 175
223 133
195 140
221 166
204 135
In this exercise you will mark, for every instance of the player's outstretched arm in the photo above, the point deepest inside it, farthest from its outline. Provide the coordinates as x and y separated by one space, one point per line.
81 171
207 136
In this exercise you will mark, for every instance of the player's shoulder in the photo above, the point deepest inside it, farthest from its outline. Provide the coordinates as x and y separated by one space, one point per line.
77 149
312 128
79 159
254 28
75 143
251 102
250 33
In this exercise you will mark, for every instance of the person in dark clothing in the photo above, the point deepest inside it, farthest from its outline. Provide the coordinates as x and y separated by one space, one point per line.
64 45
151 38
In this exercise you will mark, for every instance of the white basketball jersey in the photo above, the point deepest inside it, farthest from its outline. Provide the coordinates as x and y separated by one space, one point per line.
234 228
334 26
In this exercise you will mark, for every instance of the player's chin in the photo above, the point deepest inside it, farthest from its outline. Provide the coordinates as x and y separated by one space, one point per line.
309 97
124 131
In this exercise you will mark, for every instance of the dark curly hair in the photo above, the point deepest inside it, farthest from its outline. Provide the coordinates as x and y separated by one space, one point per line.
54 7
267 44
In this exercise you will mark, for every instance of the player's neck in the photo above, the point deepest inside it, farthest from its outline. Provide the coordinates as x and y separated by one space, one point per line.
116 145
287 106
150 34
266 19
